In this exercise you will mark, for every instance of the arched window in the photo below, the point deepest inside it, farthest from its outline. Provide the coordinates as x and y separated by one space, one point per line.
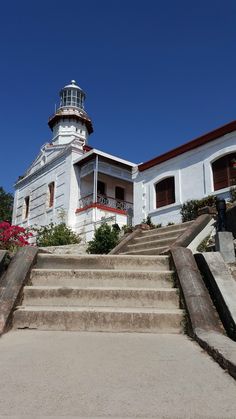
51 193
165 192
224 171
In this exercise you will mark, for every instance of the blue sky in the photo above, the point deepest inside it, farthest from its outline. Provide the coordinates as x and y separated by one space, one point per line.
156 73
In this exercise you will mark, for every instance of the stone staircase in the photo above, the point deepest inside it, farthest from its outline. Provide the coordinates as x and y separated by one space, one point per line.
111 293
156 241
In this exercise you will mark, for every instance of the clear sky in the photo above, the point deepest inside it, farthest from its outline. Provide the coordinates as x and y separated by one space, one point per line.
156 73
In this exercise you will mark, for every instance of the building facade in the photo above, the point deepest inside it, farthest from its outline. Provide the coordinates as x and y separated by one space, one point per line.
71 181
202 167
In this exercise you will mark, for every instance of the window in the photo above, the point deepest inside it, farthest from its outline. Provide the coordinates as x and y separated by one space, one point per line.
224 171
101 188
51 191
120 193
26 206
165 192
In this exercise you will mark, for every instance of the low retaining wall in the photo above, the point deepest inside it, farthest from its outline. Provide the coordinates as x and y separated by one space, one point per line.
222 288
122 246
192 231
69 249
14 280
206 327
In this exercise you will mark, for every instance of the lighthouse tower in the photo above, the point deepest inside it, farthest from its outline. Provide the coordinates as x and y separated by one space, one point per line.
70 121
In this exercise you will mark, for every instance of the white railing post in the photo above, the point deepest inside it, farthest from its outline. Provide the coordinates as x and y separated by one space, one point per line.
95 180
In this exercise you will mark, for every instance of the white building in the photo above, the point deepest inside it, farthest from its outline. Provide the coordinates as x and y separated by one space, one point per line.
69 179
202 167
85 185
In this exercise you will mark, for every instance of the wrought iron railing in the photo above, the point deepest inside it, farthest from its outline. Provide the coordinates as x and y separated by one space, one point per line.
108 201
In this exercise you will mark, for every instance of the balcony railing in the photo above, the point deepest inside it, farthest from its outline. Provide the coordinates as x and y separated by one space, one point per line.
107 201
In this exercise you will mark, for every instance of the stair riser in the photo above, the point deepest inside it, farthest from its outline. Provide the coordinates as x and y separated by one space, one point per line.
168 229
157 236
103 279
145 251
149 245
101 262
99 322
100 298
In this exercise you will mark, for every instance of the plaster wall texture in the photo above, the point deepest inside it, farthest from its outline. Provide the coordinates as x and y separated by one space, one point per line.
108 169
111 184
193 180
36 187
65 131
87 221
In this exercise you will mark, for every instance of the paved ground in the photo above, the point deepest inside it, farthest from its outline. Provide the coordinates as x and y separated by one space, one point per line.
110 375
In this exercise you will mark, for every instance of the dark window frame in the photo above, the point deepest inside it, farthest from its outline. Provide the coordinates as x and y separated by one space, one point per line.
51 196
224 171
165 192
26 206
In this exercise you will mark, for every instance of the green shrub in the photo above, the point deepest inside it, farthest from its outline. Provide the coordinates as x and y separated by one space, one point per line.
233 194
189 209
127 229
203 246
56 235
105 239
148 221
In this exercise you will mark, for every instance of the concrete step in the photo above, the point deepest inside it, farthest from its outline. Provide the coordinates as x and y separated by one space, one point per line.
142 245
173 235
171 228
102 278
101 297
148 251
112 262
104 319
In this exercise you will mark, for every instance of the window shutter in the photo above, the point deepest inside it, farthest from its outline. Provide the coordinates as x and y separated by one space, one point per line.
165 192
220 173
51 187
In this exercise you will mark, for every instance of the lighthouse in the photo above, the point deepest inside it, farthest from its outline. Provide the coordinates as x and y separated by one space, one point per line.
70 121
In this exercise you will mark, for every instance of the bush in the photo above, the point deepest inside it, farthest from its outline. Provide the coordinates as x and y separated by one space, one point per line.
189 209
56 235
12 236
233 194
148 221
105 239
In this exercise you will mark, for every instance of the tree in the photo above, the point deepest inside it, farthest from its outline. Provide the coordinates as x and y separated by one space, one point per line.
105 239
6 205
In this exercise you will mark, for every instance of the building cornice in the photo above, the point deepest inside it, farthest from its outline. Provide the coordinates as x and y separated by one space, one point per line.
69 114
191 145
41 169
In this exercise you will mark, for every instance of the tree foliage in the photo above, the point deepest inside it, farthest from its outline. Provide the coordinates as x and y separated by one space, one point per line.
6 205
105 239
56 235
189 209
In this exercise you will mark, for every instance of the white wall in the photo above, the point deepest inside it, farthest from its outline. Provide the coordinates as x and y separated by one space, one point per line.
65 131
193 180
111 184
36 187
87 221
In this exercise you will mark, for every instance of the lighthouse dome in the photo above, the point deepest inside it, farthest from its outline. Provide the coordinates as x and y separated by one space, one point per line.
72 96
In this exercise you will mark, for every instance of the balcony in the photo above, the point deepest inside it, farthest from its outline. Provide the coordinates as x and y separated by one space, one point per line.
106 202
